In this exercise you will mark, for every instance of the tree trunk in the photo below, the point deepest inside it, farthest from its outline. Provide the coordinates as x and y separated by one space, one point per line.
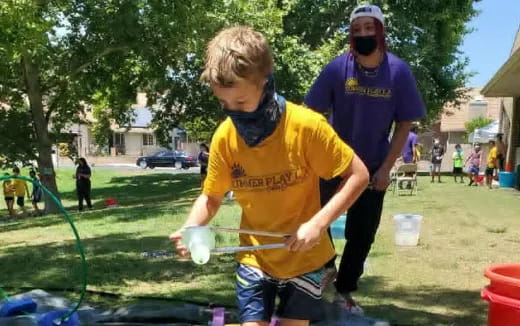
46 168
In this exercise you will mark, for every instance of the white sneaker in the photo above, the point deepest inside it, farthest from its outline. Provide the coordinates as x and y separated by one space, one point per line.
348 303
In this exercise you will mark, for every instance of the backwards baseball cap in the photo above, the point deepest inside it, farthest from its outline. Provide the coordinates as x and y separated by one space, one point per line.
367 11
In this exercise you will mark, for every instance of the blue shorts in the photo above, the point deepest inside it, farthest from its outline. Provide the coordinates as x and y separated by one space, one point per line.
300 297
474 170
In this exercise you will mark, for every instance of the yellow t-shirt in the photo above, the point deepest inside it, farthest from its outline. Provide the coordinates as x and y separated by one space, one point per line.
492 157
9 190
277 184
20 187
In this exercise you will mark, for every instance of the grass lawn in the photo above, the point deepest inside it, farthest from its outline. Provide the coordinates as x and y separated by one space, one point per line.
437 283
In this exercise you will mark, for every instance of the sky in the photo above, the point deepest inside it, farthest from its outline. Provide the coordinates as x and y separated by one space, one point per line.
489 46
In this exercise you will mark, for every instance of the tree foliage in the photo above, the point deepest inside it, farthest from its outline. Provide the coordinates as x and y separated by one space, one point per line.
59 56
477 123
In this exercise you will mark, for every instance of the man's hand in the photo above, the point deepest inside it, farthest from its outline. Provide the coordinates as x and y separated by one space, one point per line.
381 179
305 238
176 238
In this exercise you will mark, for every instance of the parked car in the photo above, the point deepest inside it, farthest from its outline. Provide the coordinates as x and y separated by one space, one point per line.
178 159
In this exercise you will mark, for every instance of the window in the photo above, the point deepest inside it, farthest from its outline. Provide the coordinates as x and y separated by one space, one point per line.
477 108
119 139
147 139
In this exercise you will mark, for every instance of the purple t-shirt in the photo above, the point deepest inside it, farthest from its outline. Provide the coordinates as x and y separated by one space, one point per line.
408 149
364 105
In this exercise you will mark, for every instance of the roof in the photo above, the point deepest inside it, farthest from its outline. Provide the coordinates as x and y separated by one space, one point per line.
506 82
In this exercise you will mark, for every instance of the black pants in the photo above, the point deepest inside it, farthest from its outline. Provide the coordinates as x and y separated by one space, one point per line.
83 190
362 222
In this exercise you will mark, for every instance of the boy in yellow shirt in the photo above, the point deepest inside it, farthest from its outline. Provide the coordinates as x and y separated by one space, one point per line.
271 154
491 163
9 192
20 189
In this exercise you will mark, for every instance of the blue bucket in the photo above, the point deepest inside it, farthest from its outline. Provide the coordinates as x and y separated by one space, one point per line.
506 179
337 228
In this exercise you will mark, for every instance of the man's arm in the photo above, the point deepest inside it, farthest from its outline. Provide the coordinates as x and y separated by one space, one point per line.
355 181
381 180
203 210
27 190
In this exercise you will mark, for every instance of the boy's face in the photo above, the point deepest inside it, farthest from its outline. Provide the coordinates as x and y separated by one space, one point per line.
243 96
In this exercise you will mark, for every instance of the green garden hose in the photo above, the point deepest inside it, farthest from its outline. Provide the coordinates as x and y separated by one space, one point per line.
79 244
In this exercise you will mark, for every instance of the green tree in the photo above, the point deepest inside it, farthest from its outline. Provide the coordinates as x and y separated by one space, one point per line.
475 123
56 55
306 34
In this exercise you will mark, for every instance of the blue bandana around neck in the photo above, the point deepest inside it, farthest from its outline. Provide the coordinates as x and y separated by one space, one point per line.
254 127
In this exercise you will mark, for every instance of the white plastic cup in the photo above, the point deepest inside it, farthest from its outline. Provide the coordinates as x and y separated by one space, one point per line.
199 240
407 229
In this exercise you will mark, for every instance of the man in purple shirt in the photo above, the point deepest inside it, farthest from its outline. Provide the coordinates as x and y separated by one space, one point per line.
366 90
409 150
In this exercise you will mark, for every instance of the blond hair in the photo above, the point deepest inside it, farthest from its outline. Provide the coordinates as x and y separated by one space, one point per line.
237 52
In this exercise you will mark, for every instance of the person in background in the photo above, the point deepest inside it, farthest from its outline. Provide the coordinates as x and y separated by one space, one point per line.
475 161
458 163
365 90
491 164
437 154
21 190
410 148
501 152
83 185
36 193
9 193
203 161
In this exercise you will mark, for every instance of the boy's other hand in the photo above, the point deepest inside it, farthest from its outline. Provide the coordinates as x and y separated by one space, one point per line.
176 238
305 238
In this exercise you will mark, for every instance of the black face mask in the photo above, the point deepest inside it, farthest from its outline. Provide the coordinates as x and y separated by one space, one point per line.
365 45
256 126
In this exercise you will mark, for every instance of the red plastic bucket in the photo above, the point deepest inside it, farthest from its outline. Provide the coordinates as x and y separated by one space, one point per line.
503 294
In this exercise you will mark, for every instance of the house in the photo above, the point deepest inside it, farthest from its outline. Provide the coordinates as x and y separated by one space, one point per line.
137 138
451 129
505 84
454 118
129 141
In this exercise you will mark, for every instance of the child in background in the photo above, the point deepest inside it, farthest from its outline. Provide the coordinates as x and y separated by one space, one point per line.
491 163
475 159
458 163
20 189
36 193
9 192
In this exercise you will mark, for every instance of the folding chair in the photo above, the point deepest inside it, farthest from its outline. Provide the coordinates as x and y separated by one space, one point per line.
406 173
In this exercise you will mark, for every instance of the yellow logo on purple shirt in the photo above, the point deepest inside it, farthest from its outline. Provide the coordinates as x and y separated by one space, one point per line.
352 86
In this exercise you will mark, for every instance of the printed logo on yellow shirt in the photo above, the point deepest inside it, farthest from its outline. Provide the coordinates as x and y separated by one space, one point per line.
237 171
272 182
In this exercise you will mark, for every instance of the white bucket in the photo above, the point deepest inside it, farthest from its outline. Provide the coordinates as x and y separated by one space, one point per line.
407 229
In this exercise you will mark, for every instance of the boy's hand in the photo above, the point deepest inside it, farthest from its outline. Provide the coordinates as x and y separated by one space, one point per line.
176 238
305 238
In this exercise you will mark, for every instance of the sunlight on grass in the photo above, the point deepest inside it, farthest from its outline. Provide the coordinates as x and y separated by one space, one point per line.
436 283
